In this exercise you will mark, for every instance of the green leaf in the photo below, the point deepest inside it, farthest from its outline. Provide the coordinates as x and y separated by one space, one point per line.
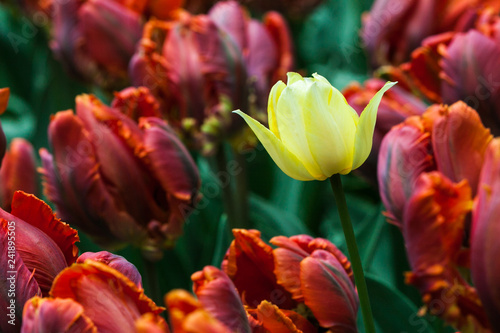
392 310
272 221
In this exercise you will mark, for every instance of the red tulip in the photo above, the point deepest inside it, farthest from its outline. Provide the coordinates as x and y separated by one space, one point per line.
393 29
119 181
96 295
302 270
18 171
37 246
485 251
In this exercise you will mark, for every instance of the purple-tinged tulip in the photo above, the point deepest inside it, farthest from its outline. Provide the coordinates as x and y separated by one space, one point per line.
121 182
396 105
136 103
393 29
485 248
97 295
18 171
405 153
117 262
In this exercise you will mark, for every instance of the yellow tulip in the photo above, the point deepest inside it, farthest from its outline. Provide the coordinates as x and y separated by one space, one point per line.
313 133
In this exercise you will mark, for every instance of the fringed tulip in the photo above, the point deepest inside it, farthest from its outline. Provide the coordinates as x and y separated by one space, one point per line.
37 246
434 229
200 68
119 181
313 133
98 296
393 29
485 249
396 105
18 171
301 271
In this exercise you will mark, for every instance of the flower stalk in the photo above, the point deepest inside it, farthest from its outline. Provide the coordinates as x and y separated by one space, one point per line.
353 251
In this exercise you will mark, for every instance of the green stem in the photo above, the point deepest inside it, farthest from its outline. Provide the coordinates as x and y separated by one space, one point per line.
241 190
352 248
152 283
227 192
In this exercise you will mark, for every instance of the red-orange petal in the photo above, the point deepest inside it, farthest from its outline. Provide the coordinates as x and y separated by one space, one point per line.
119 302
47 315
188 316
329 292
4 99
459 141
250 259
37 213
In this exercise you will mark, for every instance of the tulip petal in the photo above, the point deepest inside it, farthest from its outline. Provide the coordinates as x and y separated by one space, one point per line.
38 214
151 323
45 315
17 283
114 261
330 127
105 294
404 154
329 292
291 122
231 19
188 316
272 106
459 141
485 248
366 126
218 295
18 171
250 259
274 320
280 154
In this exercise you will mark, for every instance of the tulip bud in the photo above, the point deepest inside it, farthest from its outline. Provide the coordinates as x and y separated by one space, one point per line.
313 133
18 171
485 251
119 181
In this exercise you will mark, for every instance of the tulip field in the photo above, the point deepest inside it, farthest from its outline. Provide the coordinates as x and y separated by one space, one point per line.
193 166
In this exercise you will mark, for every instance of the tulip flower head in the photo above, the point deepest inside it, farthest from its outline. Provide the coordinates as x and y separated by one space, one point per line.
313 133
